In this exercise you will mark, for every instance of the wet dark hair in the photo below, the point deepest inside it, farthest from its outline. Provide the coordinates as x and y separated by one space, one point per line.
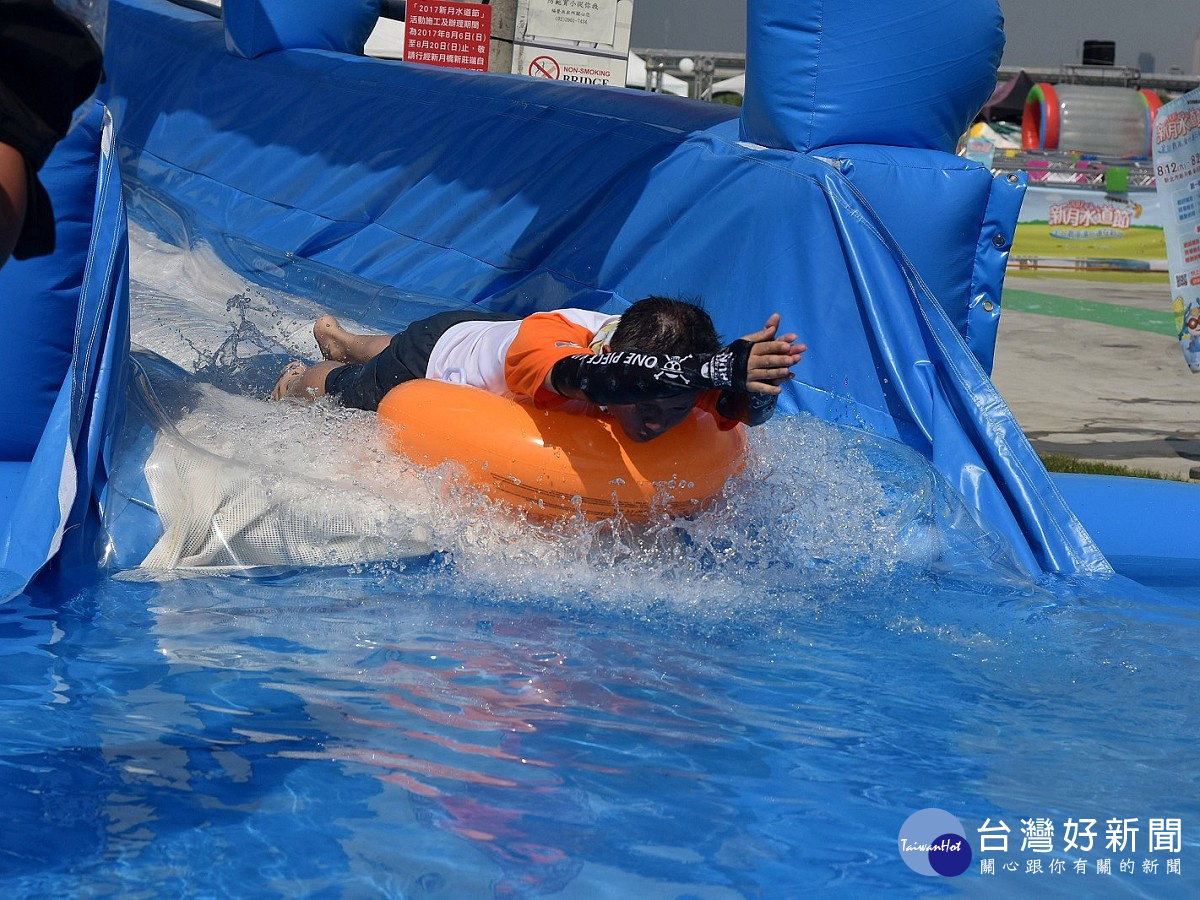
663 325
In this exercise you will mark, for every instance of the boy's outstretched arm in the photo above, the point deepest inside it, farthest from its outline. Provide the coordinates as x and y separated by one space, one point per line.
627 376
771 357
767 368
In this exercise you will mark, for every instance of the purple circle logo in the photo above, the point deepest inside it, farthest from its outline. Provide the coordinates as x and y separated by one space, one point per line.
933 842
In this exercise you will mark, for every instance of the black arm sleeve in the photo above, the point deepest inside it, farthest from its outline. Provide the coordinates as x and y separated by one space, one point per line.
751 408
628 376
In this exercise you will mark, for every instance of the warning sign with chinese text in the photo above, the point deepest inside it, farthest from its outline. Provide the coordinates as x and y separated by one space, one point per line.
453 35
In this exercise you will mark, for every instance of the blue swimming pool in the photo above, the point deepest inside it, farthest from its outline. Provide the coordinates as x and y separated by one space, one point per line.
418 731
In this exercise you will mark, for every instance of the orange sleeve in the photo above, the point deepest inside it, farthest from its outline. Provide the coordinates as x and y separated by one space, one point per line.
542 340
708 403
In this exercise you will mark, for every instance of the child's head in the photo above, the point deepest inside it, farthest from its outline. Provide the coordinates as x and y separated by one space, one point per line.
661 325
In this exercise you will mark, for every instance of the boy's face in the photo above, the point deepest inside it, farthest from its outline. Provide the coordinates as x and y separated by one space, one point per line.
647 420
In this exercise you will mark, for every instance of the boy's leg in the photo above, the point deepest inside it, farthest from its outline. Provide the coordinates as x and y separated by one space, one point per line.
303 382
404 357
361 384
340 345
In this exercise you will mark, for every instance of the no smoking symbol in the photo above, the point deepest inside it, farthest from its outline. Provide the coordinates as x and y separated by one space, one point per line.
544 67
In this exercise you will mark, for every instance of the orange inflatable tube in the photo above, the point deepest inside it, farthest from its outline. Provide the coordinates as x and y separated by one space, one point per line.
552 462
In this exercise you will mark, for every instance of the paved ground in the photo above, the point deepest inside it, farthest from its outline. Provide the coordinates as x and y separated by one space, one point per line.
1090 370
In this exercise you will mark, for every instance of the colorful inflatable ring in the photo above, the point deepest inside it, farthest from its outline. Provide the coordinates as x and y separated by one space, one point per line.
552 462
1152 103
1040 120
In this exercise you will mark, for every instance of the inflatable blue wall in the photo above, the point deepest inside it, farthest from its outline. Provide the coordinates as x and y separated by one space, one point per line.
66 344
521 194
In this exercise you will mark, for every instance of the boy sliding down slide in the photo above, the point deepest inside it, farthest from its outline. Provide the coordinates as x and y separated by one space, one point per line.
649 367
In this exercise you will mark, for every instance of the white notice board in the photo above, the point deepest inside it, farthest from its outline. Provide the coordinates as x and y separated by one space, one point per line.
587 21
582 41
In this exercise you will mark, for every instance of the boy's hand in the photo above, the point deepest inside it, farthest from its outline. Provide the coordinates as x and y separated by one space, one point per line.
771 358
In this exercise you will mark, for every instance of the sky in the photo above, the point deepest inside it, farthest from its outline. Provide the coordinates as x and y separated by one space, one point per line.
1040 33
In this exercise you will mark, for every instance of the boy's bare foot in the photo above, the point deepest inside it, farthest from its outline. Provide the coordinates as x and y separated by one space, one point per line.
288 379
339 345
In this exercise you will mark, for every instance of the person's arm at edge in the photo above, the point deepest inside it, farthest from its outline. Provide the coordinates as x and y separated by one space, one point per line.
13 189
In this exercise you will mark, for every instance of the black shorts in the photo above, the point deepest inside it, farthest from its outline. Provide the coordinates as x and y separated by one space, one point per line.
363 385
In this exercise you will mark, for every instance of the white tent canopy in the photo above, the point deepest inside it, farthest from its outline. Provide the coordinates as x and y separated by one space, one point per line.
734 85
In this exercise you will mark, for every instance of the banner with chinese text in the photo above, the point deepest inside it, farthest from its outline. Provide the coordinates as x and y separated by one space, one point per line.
1087 228
452 35
1177 180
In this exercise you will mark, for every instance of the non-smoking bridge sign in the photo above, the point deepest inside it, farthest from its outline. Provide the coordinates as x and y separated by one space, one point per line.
544 67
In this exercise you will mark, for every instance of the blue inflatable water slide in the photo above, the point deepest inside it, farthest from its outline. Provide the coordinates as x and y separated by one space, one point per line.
833 196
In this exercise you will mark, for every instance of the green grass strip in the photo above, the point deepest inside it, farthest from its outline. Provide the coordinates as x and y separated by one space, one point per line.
1058 462
1090 310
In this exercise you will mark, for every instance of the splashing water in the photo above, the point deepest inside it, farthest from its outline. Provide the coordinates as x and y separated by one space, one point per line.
241 482
278 484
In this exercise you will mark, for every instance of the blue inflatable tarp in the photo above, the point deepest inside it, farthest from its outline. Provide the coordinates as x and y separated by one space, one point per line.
66 345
